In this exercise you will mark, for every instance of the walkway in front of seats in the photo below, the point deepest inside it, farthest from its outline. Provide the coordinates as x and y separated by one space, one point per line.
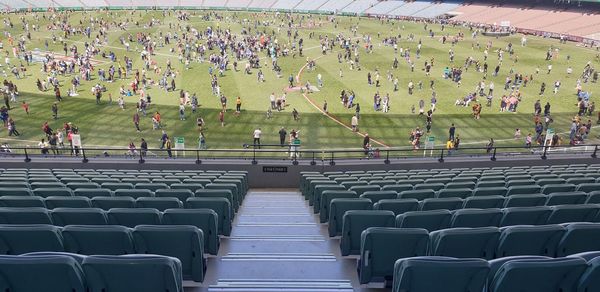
277 244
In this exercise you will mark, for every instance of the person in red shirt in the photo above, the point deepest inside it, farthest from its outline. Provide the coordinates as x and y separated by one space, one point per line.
25 107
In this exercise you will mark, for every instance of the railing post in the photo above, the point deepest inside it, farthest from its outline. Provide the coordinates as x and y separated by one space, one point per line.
387 157
198 161
493 158
313 162
441 159
141 157
254 155
595 151
85 160
545 151
332 162
27 159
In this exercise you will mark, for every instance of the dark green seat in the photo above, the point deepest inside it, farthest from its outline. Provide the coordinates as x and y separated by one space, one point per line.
337 209
187 186
566 198
357 221
417 194
376 196
107 203
490 191
221 206
441 203
430 186
150 186
204 219
15 191
204 193
523 190
52 192
158 203
67 202
133 193
232 187
484 202
362 189
455 193
180 194
113 186
525 201
398 206
558 188
430 220
326 198
315 199
78 216
91 193
22 201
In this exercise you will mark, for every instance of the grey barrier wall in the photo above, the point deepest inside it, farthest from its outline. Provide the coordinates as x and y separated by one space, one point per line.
283 174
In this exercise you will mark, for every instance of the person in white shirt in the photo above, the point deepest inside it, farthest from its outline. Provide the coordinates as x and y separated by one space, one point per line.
256 137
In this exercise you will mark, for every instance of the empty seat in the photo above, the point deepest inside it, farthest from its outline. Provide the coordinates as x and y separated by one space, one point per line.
67 202
15 191
182 242
476 218
417 194
490 183
91 193
398 206
221 206
133 217
376 196
429 220
484 202
160 204
337 209
489 191
380 250
588 187
188 186
219 194
441 203
20 239
205 219
529 240
150 273
180 194
237 194
113 186
151 186
41 273
525 201
593 198
590 279
525 216
573 213
398 188
78 216
82 185
325 198
104 240
523 189
133 193
569 198
558 188
356 221
579 237
107 203
47 192
455 193
22 201
426 274
468 184
537 275
465 242
25 216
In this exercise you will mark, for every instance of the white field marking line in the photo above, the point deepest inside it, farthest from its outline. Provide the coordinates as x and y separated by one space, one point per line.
327 114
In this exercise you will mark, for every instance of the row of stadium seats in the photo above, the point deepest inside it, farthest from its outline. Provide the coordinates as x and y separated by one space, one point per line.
354 222
206 220
420 201
510 274
76 273
380 246
221 205
228 191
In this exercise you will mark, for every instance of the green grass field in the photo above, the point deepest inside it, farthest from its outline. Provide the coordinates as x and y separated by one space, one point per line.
108 125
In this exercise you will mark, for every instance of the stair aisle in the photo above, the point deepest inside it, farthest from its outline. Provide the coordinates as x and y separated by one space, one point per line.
277 244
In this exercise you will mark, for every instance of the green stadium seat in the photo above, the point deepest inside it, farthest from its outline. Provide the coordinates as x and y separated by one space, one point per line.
182 242
100 240
465 242
588 187
188 186
523 190
22 201
67 202
82 185
525 216
379 250
41 273
52 192
15 191
460 185
525 201
78 216
355 222
558 188
376 196
529 240
338 208
160 204
25 216
114 186
430 186
474 218
484 202
107 203
133 217
573 213
232 187
315 199
21 239
398 188
46 185
455 193
491 184
204 193
221 206
150 186
159 273
398 206
325 201
204 219
420 195
593 198
578 238
441 204
91 193
429 220
566 198
133 193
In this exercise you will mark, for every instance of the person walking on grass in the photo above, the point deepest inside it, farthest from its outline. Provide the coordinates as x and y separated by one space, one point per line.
451 132
256 136
201 141
354 123
222 118
238 105
169 146
55 110
282 136
144 147
136 121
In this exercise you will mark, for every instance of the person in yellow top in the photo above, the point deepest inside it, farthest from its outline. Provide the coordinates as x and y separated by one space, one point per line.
238 105
449 146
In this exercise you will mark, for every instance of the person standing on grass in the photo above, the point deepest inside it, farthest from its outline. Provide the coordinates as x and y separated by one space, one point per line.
238 105
25 107
256 136
12 128
144 147
136 121
57 93
169 146
222 118
295 114
201 141
451 132
354 123
181 112
282 136
55 110
163 139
